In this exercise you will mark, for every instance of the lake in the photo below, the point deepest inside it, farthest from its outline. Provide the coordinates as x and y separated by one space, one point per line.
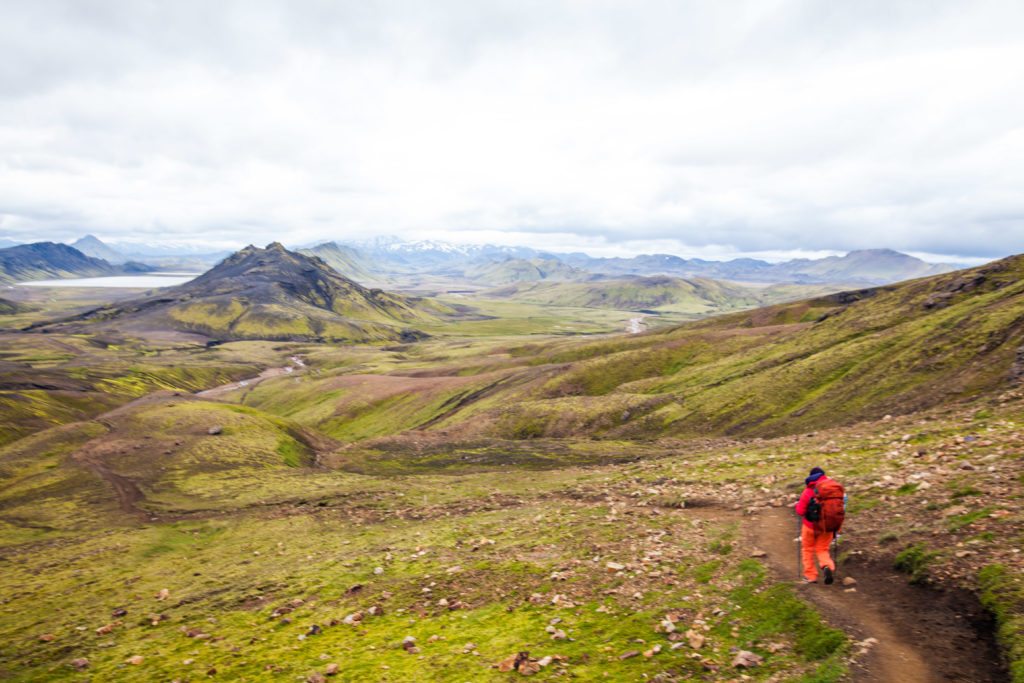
147 281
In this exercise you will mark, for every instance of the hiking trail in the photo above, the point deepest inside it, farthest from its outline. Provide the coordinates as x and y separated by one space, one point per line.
924 635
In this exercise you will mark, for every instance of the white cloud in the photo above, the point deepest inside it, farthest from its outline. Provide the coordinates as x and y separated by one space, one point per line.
707 128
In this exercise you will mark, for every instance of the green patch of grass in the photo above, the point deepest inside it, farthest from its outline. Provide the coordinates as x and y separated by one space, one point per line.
768 610
915 561
962 491
906 489
720 547
291 451
1002 594
703 573
888 537
960 521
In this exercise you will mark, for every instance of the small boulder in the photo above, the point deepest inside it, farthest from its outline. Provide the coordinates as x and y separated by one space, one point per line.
81 663
849 581
215 430
746 660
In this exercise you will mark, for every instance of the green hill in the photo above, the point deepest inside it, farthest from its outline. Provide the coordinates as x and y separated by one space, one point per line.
524 270
269 293
783 369
794 367
347 261
695 296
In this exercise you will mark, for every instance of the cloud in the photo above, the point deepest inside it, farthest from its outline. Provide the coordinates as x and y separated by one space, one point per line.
760 127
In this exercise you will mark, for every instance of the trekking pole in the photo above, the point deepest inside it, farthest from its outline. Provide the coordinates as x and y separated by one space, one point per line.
799 549
834 548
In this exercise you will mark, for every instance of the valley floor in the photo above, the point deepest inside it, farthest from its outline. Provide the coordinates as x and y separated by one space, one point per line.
607 572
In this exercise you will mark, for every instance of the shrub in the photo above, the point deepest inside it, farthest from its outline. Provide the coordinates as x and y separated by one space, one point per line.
914 560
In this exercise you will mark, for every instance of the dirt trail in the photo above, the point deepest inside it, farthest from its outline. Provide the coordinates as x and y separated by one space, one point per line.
127 492
924 635
297 366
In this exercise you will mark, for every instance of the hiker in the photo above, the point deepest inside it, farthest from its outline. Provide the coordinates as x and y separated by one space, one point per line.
822 509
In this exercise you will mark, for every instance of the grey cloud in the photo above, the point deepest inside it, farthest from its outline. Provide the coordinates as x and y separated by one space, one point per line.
753 126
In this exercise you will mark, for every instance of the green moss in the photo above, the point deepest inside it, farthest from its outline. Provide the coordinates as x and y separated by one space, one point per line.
915 561
960 521
1002 594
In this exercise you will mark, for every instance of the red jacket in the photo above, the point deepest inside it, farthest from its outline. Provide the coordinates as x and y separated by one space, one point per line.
805 498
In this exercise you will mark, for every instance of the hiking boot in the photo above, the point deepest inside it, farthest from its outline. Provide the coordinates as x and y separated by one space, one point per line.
829 578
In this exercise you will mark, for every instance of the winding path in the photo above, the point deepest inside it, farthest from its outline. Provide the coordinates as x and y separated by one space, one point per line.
923 635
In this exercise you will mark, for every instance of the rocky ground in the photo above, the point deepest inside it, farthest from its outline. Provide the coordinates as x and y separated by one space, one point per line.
650 569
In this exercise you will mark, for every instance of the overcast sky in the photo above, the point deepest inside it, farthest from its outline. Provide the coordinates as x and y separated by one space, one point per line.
699 128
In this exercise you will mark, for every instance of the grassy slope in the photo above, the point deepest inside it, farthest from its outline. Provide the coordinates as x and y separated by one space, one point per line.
256 527
777 371
50 380
498 545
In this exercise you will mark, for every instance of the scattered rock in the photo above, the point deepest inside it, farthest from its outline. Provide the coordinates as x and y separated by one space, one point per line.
163 594
331 669
47 637
316 678
80 663
107 628
849 581
746 660
630 654
134 660
696 640
615 566
757 552
215 430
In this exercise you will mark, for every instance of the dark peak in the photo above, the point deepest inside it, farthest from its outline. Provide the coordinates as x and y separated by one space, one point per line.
276 246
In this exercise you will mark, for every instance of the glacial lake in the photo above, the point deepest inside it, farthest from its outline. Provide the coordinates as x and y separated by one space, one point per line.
147 281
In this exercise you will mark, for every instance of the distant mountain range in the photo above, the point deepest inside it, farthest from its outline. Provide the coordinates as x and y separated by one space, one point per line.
271 293
866 267
50 260
871 266
384 261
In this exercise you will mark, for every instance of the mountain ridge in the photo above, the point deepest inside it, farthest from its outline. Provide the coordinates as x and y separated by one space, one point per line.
50 260
272 293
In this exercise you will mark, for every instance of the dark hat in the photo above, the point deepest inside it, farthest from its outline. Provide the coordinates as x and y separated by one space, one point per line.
816 474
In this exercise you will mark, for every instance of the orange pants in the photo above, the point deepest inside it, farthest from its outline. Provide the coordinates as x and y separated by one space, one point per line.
814 544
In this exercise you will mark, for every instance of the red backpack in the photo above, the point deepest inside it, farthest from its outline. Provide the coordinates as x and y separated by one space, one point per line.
831 495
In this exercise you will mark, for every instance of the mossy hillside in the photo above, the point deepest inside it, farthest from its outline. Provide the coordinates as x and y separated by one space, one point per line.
892 350
238 571
95 389
1002 592
44 490
697 296
335 528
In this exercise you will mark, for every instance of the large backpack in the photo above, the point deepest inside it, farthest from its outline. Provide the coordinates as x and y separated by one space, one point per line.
831 496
